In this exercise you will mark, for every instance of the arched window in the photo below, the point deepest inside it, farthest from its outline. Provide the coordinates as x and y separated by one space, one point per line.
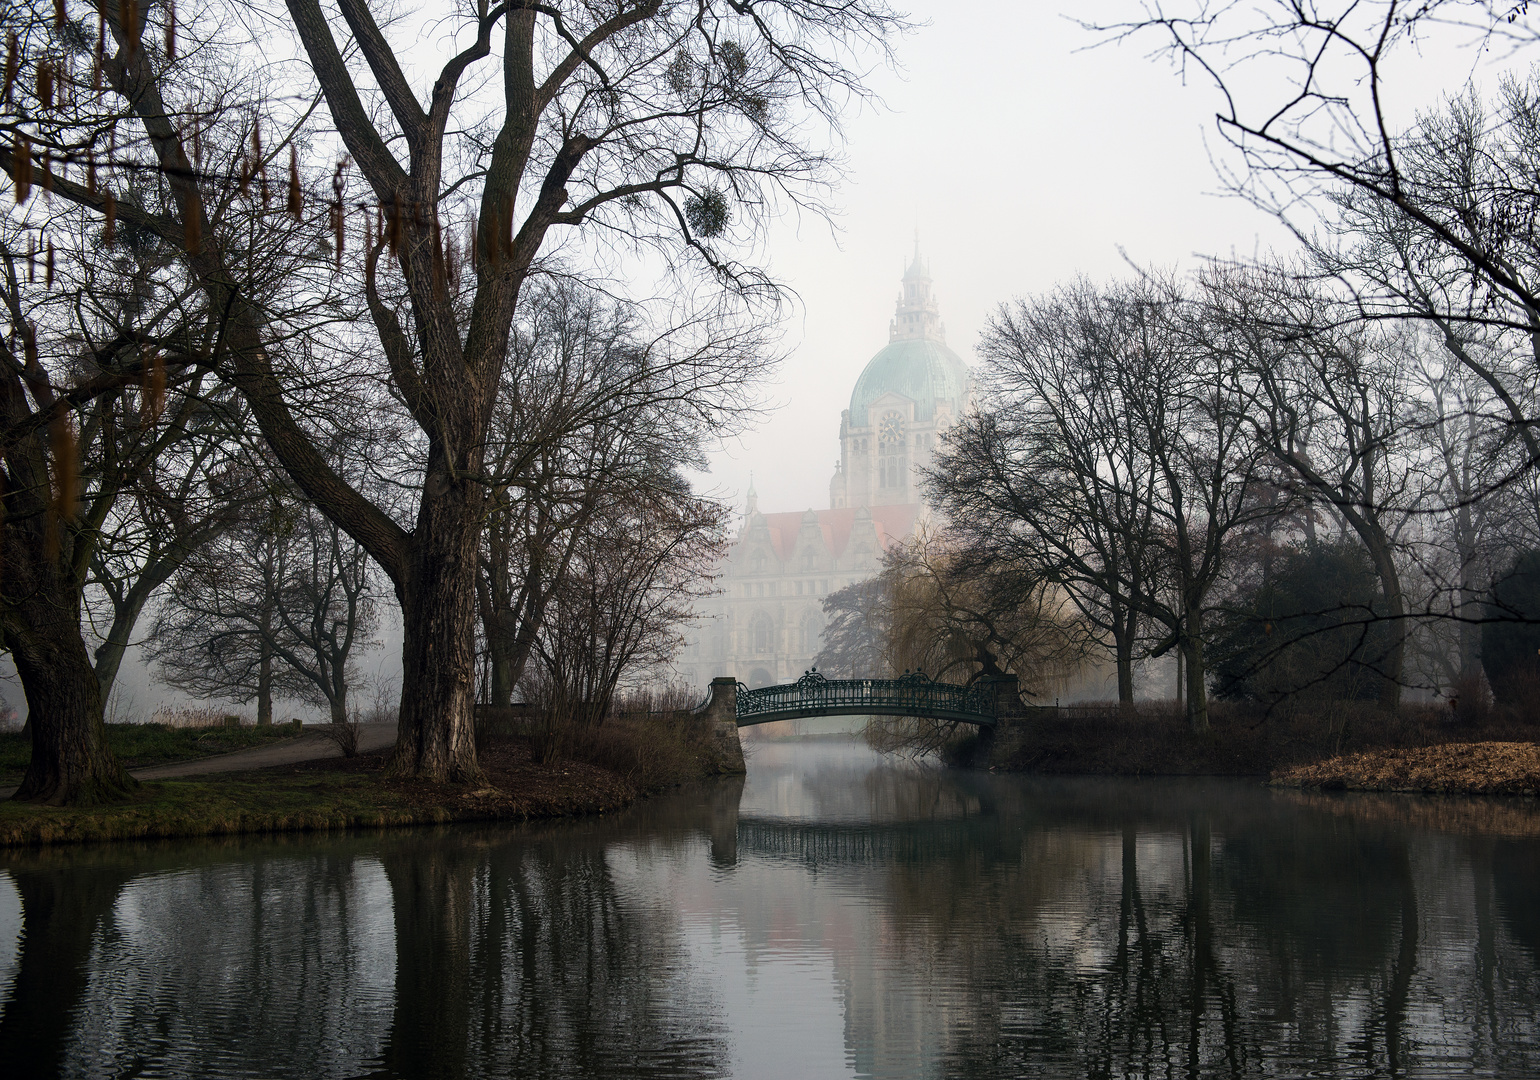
810 633
761 634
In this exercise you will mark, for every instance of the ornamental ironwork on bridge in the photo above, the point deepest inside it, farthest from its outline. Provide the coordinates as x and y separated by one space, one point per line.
911 694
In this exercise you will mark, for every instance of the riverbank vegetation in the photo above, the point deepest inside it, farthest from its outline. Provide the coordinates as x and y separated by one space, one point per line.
1153 739
640 750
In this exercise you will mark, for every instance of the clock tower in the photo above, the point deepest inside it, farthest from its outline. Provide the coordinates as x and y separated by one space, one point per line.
907 396
765 625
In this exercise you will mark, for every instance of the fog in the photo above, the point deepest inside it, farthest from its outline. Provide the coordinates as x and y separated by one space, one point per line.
1024 150
1019 150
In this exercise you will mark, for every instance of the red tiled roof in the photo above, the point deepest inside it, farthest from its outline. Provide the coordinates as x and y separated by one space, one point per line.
893 523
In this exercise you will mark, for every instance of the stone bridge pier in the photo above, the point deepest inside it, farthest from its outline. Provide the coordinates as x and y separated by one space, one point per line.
1009 708
720 710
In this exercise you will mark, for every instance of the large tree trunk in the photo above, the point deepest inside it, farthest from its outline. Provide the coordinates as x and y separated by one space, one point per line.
70 764
1469 607
265 667
1197 691
1124 631
1395 605
436 737
500 693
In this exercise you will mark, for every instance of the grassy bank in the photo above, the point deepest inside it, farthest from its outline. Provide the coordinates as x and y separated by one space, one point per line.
598 772
138 746
1152 739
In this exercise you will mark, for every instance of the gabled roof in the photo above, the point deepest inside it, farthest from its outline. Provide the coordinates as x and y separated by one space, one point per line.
892 523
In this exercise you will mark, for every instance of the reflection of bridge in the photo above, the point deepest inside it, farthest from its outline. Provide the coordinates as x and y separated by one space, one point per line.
912 694
858 843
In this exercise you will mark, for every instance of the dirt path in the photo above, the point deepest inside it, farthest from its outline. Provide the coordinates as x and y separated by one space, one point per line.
307 747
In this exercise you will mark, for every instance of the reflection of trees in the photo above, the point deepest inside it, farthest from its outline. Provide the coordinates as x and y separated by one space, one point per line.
527 958
1103 937
173 956
514 954
63 904
1016 928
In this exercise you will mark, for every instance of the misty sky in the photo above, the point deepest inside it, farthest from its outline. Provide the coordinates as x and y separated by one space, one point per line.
1024 157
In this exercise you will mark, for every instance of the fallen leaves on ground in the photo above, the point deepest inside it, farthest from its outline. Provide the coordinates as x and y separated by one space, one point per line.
1469 768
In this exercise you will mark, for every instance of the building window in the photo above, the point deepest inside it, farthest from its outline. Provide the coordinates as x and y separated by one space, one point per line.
809 632
760 633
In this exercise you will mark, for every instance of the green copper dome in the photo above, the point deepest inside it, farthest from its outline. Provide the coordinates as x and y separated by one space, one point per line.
921 369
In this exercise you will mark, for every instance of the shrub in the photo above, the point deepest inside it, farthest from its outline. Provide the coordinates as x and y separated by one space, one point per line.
1308 630
190 716
1510 634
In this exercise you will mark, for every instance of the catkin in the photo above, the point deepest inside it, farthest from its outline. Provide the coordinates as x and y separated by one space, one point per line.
296 199
12 64
21 168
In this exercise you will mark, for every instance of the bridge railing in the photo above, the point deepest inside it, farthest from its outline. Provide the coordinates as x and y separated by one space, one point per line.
913 694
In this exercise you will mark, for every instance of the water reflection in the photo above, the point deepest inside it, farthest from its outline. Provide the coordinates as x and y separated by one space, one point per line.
836 916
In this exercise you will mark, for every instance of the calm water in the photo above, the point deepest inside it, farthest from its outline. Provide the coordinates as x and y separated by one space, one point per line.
835 916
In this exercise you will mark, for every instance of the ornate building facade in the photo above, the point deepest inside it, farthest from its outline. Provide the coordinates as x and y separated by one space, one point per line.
765 624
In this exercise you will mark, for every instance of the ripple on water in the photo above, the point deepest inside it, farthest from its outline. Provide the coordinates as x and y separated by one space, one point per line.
835 915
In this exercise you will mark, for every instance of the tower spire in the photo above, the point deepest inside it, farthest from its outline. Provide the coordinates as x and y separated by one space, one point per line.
917 317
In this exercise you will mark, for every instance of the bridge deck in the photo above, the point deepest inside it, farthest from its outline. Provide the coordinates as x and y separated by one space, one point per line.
913 694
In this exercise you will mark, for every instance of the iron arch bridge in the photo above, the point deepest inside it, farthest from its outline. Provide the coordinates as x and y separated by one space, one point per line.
911 694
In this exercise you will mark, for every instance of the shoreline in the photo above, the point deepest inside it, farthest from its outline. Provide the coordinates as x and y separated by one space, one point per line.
333 795
348 794
1336 746
1490 768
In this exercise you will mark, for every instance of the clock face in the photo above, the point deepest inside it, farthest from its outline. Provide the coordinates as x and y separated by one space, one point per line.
891 429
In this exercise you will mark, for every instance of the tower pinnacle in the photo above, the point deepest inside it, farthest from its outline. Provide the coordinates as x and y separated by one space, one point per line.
917 316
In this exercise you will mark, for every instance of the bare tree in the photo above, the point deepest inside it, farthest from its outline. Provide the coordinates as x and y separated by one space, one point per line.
1331 401
90 411
1112 456
1459 422
214 635
673 127
627 595
1306 100
103 355
599 405
186 494
327 609
277 606
1052 476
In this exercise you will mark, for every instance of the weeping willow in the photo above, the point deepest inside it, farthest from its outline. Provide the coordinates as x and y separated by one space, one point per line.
960 622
